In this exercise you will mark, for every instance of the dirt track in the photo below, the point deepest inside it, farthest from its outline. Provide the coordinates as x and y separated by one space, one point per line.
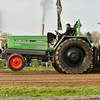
48 79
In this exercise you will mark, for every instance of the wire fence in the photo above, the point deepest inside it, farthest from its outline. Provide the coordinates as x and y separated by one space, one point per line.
57 97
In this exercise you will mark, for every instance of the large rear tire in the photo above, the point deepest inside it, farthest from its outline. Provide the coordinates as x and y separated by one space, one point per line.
73 56
16 62
57 68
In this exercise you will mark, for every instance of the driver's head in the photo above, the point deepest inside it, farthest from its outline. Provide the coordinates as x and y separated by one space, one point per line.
68 26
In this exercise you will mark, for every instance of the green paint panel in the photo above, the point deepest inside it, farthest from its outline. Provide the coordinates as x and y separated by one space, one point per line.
27 42
10 42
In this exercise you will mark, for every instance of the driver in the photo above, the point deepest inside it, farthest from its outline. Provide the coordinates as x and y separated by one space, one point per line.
68 31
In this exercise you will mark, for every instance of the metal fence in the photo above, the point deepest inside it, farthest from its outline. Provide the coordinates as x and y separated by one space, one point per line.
56 97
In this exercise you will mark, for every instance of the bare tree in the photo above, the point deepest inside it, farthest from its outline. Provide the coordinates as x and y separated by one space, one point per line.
95 37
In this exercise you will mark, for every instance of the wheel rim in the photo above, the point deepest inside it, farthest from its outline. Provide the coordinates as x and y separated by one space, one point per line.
16 62
74 57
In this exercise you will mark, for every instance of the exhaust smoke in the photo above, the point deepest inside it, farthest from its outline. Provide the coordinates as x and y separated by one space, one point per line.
47 5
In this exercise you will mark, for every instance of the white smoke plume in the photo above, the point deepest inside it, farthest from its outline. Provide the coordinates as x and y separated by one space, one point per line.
47 5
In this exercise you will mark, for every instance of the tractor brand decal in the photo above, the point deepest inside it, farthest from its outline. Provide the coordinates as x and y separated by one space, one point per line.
41 41
23 40
41 47
30 41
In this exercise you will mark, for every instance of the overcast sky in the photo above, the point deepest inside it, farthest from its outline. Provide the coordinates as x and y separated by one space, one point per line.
24 17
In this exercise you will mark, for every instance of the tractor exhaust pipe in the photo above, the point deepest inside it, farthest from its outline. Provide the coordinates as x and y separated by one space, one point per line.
42 33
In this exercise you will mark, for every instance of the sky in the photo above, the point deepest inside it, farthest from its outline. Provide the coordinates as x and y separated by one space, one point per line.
24 17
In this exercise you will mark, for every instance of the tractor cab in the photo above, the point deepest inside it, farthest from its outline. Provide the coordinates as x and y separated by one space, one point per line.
53 39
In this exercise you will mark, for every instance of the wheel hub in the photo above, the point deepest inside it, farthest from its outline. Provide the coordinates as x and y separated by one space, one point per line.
73 55
16 62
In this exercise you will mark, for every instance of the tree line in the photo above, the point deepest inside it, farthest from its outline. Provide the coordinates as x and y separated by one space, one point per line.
94 37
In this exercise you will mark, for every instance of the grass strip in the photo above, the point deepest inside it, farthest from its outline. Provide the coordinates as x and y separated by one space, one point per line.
48 92
32 69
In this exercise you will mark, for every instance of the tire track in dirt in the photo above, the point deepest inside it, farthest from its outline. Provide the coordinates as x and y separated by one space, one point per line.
47 79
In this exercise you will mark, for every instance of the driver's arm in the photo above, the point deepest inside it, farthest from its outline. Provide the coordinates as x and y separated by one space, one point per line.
65 32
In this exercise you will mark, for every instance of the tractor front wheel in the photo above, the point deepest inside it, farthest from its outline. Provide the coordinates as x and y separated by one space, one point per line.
16 62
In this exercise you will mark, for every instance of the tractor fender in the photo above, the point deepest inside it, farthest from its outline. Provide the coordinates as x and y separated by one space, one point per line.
67 37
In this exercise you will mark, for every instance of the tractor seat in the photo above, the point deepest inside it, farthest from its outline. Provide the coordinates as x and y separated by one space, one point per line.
74 29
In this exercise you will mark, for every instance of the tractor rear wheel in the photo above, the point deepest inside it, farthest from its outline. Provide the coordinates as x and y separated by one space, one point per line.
57 68
74 56
16 62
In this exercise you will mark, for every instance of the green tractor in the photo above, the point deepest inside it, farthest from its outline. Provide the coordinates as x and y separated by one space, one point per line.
71 54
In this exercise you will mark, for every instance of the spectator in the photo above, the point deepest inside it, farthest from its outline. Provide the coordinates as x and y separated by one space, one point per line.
3 47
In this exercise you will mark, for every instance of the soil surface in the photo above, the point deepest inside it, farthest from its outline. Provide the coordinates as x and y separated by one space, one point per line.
47 79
